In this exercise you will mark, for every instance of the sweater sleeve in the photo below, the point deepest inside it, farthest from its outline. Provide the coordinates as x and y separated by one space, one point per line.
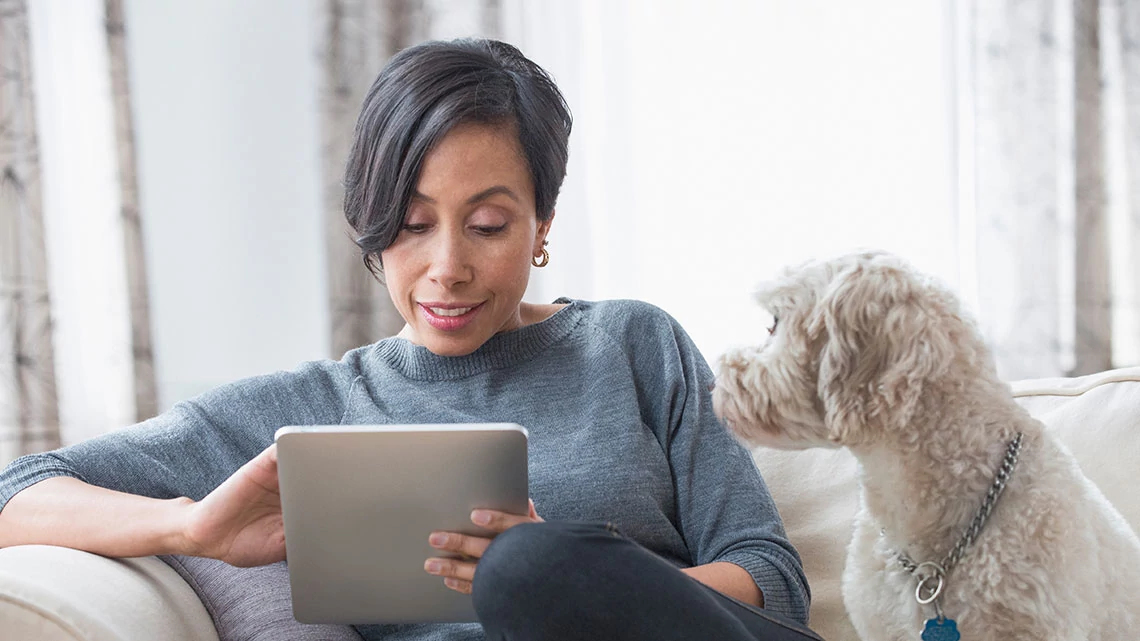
190 449
724 510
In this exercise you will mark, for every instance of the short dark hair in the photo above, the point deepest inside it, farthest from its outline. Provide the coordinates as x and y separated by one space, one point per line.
423 93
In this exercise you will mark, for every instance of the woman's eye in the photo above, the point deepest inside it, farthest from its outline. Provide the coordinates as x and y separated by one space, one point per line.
772 329
487 230
414 228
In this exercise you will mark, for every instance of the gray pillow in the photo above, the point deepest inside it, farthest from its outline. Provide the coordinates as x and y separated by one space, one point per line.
251 604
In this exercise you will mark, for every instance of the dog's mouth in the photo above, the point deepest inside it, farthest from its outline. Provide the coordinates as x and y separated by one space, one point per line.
728 410
754 418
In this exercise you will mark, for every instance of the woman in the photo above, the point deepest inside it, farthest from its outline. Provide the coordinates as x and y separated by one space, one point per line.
459 154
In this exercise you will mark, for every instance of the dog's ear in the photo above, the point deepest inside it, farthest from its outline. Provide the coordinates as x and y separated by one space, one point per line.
884 335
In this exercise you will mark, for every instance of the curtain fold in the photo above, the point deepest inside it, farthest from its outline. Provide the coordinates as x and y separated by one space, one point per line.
29 412
1127 295
142 350
1092 305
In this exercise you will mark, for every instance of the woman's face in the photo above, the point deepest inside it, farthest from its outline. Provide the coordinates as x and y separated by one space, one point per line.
459 267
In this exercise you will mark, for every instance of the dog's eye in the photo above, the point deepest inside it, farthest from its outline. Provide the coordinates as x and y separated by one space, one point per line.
772 329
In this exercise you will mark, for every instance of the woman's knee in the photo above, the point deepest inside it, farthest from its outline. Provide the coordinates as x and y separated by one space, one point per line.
516 553
534 562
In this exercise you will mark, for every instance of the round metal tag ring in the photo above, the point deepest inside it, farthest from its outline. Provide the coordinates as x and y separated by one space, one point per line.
937 575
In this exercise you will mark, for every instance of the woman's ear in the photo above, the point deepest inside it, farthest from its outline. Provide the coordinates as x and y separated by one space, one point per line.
885 336
540 233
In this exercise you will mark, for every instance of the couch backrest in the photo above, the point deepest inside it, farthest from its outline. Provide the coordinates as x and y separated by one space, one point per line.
817 491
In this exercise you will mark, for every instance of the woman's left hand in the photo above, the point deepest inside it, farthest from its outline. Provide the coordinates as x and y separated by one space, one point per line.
459 573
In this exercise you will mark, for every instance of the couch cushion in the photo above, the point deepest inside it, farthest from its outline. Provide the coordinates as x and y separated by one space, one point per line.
54 593
1097 417
252 604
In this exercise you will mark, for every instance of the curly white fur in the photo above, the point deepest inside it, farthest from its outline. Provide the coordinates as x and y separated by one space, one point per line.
868 354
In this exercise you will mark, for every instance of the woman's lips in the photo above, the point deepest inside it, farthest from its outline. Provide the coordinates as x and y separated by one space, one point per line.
449 318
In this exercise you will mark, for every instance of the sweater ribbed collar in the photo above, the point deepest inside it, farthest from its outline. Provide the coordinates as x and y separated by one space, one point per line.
500 351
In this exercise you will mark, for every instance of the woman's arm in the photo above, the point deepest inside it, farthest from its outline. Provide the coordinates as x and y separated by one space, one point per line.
730 579
239 522
70 513
724 511
204 464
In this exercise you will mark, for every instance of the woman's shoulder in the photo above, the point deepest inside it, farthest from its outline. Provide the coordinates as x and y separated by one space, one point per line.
618 312
315 381
647 335
627 321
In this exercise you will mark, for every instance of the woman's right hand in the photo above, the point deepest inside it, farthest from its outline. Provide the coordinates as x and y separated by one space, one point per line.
240 521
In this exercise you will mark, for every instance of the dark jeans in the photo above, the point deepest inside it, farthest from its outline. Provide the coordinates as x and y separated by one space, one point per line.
570 581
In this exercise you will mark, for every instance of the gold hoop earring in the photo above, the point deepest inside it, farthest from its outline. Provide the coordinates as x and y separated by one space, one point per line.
541 263
545 256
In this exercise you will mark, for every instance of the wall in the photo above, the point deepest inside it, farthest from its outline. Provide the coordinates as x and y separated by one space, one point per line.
225 97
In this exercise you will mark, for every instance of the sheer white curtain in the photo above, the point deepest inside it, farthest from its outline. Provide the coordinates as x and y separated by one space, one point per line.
994 144
716 141
83 201
1051 158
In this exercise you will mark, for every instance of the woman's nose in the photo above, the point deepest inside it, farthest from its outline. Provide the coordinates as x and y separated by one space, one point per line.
450 261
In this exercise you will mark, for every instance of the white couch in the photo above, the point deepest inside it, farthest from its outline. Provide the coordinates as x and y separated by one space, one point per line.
50 594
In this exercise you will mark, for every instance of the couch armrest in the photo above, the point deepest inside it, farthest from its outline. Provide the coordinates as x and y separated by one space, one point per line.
52 593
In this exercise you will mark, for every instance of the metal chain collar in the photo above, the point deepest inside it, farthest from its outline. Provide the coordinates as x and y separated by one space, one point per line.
971 534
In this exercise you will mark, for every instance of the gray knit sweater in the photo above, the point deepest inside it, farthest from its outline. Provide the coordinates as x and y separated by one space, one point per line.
614 395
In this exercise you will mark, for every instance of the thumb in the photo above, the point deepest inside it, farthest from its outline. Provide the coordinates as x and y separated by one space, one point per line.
534 513
263 467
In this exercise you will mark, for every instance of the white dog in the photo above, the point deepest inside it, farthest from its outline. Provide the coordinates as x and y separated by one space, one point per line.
869 355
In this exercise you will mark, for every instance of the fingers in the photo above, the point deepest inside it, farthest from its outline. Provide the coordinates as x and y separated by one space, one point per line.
497 521
240 520
457 574
463 587
471 546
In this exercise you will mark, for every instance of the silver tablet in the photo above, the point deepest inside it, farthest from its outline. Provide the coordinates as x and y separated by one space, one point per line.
360 501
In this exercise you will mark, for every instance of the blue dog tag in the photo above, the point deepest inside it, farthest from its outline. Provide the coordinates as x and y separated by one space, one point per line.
944 630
